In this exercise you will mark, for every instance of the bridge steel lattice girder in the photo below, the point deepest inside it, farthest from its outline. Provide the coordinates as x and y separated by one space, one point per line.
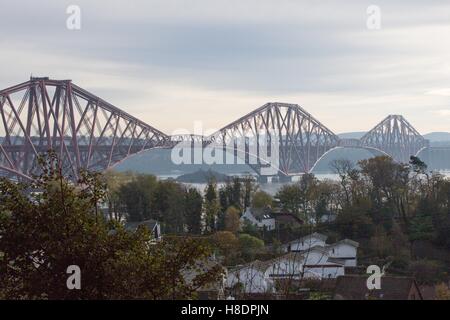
396 137
85 131
90 133
302 139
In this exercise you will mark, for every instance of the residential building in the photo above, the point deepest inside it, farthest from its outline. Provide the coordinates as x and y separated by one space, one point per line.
345 250
285 219
249 278
289 265
259 276
305 243
311 264
319 265
261 218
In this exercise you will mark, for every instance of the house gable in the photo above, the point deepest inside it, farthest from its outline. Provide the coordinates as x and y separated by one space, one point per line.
250 278
305 243
344 250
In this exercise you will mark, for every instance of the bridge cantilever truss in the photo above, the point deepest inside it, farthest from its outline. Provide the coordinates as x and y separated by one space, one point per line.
302 138
89 133
304 141
396 137
85 131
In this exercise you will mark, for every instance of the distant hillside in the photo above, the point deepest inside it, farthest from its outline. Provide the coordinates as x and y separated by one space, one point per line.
352 154
437 136
351 135
159 162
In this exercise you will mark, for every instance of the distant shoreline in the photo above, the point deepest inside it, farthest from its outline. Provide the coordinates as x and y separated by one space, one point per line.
202 176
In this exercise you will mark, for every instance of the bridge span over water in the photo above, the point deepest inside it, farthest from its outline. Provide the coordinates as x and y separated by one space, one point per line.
89 133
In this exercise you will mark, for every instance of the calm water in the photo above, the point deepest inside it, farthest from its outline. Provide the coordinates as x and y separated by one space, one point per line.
270 188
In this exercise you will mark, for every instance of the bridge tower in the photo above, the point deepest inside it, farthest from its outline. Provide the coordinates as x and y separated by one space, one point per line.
85 131
301 139
396 137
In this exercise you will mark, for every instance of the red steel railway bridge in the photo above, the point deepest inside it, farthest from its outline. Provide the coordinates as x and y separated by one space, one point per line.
89 133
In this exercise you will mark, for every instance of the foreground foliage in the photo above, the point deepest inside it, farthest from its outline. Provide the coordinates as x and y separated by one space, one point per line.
51 224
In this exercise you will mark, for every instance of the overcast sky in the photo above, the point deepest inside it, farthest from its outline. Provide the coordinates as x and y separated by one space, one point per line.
171 63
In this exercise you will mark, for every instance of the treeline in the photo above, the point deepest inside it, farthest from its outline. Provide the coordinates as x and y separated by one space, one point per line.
56 244
400 213
213 214
179 208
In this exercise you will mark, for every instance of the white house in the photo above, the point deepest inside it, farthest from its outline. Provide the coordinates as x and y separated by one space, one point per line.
319 265
324 260
305 243
289 265
313 263
305 258
260 220
345 250
250 278
259 276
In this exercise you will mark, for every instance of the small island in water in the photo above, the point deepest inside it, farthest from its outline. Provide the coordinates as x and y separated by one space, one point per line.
202 176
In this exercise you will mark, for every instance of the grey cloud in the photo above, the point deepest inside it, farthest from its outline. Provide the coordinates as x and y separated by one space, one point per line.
267 48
